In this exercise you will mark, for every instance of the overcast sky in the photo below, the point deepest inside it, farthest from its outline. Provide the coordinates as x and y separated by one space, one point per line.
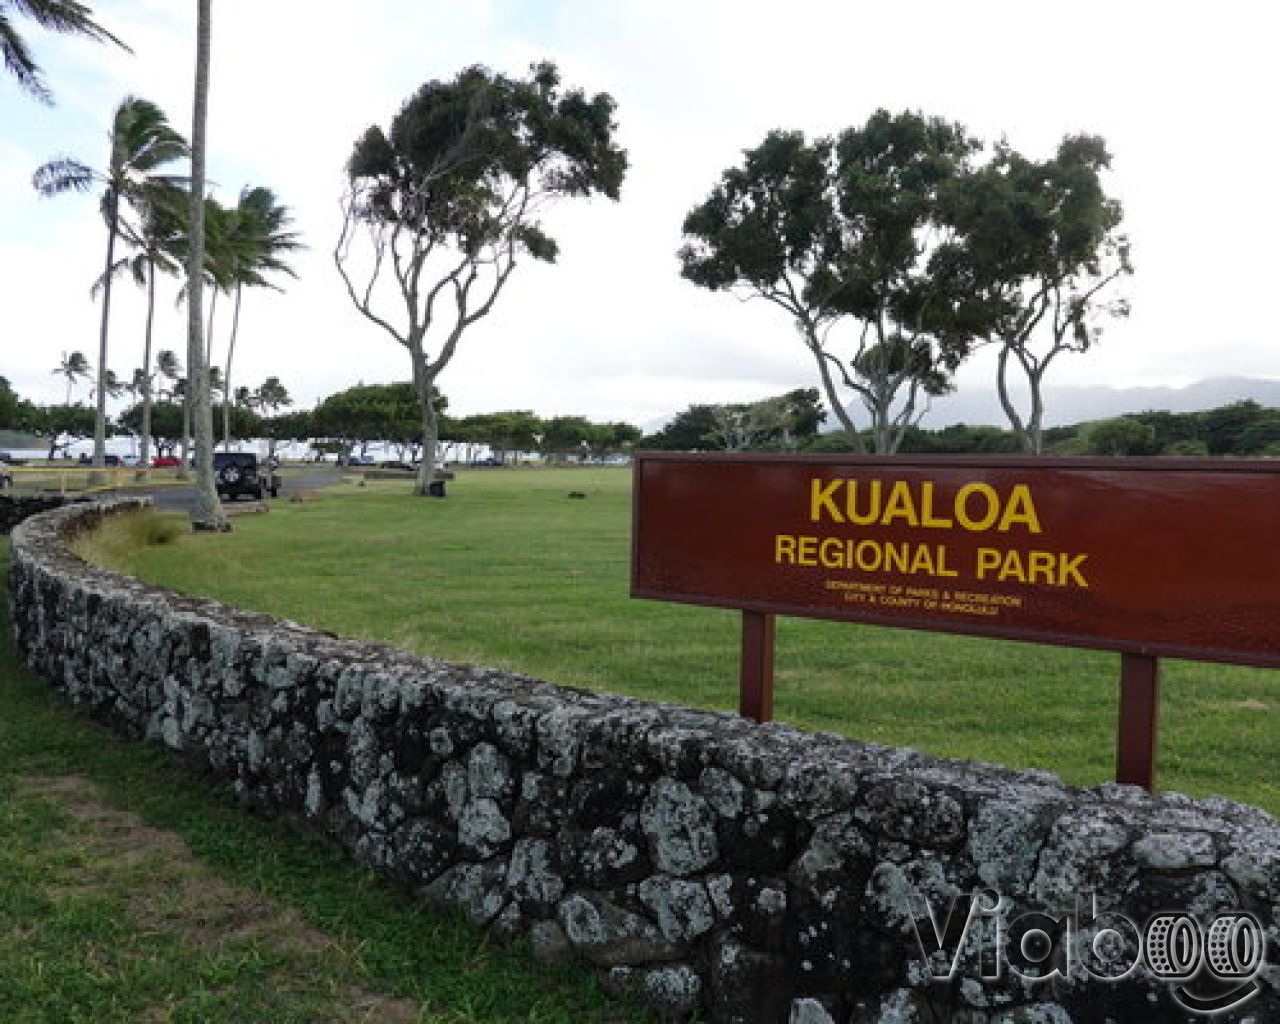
1184 93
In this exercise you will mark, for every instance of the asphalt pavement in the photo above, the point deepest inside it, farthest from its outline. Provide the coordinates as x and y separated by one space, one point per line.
182 498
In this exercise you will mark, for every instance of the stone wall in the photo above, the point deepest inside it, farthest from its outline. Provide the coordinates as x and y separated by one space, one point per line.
14 510
754 873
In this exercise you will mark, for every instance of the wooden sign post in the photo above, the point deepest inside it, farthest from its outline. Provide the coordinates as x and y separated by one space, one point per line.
1150 558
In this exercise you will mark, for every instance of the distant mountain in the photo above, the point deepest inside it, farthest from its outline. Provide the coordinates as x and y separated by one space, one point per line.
1068 405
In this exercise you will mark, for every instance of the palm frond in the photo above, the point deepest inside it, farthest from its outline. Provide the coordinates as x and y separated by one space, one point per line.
69 17
20 63
63 174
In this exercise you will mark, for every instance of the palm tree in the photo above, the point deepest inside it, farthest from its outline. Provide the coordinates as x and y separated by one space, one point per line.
256 238
111 384
141 142
156 239
73 366
207 513
170 368
66 16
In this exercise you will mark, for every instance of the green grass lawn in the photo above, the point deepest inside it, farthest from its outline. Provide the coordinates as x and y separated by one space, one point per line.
129 892
507 571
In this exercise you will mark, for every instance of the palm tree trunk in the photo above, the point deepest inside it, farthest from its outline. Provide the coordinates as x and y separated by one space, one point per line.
144 460
226 375
207 513
98 477
208 340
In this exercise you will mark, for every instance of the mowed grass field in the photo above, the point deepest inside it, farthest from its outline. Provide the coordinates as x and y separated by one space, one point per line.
510 572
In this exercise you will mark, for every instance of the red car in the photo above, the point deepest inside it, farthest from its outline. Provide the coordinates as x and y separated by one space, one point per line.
165 462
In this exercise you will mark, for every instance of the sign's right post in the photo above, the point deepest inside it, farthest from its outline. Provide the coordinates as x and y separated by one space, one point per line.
1136 739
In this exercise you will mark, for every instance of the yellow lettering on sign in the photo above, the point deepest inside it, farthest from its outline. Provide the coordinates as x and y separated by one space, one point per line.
900 506
987 510
1020 509
977 505
872 514
1054 568
822 498
927 518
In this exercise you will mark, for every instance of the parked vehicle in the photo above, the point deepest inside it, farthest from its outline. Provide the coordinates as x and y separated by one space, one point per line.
165 462
238 473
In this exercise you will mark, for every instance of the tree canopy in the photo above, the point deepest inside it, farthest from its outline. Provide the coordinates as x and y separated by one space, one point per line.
845 231
1044 241
448 201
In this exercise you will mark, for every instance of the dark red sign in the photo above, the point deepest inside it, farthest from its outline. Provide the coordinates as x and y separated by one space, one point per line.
1175 558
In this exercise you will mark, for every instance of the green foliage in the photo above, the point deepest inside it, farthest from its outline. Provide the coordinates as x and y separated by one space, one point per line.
784 422
960 439
1223 429
1185 449
512 431
689 431
837 230
166 424
372 412
1042 244
449 198
1123 435
16 413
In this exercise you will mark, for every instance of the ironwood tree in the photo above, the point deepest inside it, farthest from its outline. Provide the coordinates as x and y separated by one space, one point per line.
850 236
447 202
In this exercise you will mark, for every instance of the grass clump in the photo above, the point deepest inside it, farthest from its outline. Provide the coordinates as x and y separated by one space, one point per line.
117 542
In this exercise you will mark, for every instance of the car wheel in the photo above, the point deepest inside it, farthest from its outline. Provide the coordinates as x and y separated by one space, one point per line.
229 475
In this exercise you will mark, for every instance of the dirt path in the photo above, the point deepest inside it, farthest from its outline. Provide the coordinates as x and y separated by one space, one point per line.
169 891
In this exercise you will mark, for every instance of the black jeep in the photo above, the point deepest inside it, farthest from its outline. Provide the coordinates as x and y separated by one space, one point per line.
238 473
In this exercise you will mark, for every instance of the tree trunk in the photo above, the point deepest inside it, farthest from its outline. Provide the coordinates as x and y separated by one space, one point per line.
829 388
98 477
144 459
1027 432
430 425
226 376
207 513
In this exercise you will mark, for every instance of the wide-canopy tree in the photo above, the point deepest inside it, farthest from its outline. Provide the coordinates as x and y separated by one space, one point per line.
852 231
448 202
142 142
373 412
66 16
1044 239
